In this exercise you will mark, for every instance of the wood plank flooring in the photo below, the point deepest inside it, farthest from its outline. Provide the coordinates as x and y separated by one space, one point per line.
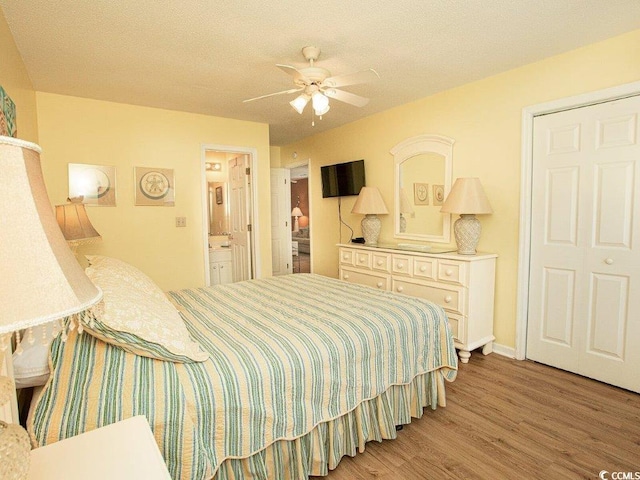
509 419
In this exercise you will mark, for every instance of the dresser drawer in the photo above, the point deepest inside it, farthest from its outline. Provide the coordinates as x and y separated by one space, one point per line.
362 259
456 323
449 298
425 268
370 279
381 262
401 264
346 256
452 272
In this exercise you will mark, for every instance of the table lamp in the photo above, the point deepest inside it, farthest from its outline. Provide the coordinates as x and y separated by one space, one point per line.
370 204
296 213
74 223
43 282
467 198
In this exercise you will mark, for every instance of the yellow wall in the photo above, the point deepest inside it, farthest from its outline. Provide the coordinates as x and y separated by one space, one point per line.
16 82
77 130
484 118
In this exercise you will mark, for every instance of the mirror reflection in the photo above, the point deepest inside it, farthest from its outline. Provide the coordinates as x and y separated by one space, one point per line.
421 190
217 194
422 181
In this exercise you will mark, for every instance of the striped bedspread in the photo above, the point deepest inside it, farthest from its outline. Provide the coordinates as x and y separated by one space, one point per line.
286 354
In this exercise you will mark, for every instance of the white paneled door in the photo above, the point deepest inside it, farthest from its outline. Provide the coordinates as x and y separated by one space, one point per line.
281 262
584 291
240 201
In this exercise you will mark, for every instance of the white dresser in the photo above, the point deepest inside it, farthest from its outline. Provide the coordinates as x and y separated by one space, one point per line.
462 284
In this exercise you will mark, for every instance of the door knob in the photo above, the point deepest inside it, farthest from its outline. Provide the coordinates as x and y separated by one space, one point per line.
609 261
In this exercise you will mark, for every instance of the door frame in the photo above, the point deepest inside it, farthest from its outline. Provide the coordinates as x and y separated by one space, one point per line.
256 270
526 172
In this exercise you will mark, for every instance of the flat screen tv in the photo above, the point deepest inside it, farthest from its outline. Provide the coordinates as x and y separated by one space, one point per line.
342 179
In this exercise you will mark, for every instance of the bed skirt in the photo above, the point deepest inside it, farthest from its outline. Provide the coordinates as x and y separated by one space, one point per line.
320 450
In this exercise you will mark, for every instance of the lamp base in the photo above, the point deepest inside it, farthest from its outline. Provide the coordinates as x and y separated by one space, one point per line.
403 224
371 226
14 451
467 232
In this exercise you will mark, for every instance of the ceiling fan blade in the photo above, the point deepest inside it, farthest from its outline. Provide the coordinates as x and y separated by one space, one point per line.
363 76
294 72
346 97
291 90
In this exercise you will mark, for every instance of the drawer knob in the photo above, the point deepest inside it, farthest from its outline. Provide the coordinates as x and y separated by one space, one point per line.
346 276
400 289
345 257
609 261
448 272
423 268
448 299
380 262
362 258
401 266
379 284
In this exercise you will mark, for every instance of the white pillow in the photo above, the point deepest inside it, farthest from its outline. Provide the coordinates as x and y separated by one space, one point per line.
137 316
31 367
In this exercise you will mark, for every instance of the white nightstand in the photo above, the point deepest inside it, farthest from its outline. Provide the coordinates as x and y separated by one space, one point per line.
124 450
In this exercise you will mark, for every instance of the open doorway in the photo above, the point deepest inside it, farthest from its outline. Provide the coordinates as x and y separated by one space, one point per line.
228 213
300 221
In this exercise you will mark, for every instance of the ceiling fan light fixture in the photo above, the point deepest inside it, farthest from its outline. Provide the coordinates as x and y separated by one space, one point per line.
320 103
300 102
319 113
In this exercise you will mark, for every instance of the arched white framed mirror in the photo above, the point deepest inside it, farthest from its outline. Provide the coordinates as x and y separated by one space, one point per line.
423 170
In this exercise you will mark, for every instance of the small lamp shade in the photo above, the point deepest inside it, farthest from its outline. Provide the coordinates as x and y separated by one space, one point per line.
44 281
75 224
370 204
467 198
296 212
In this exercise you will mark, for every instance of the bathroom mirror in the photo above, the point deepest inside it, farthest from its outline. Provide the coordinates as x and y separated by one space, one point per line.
423 169
218 208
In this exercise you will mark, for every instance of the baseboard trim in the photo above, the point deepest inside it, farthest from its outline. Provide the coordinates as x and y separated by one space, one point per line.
504 350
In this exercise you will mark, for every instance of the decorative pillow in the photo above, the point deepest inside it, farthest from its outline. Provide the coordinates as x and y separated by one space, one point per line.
137 316
126 274
31 367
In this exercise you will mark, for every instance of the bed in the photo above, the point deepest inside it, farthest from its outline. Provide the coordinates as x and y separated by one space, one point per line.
294 372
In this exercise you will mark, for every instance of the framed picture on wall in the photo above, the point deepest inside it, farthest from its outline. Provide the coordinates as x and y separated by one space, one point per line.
438 195
421 193
154 186
219 195
96 184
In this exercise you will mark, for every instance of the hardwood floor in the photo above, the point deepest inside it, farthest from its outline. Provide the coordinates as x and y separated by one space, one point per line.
509 419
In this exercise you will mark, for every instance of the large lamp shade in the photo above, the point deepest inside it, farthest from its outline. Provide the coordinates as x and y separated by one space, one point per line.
42 280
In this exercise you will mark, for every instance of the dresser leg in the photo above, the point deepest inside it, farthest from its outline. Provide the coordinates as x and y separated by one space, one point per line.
464 356
487 349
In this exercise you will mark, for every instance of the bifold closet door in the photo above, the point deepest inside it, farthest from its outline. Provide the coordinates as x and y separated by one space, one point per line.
584 289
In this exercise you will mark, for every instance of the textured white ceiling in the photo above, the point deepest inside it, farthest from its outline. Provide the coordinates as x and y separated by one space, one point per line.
206 56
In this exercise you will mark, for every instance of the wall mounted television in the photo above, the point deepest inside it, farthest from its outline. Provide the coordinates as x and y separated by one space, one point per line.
342 179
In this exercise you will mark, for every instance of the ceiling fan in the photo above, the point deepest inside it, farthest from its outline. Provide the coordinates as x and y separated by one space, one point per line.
317 85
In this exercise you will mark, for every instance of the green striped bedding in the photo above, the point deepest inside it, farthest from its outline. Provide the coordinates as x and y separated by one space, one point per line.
289 356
